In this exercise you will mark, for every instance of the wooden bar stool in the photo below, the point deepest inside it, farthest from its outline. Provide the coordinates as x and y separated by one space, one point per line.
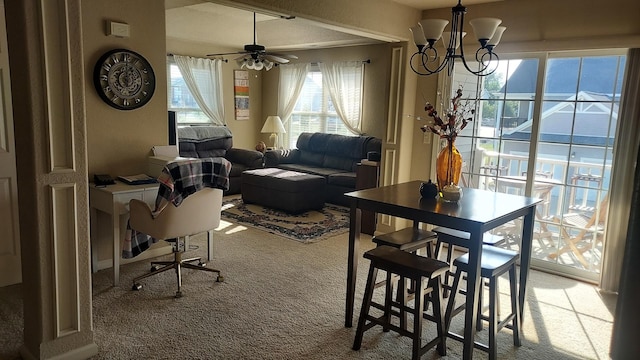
460 239
420 270
410 239
495 262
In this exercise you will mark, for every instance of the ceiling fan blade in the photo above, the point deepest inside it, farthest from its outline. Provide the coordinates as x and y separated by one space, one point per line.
287 56
276 58
229 53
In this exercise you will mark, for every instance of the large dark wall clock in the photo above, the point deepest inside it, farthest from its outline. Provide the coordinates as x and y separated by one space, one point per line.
124 79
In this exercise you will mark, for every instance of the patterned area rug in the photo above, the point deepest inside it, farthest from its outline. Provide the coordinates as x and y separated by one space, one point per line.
307 227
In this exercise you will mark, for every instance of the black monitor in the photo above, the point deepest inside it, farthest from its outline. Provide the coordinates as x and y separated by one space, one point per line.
173 128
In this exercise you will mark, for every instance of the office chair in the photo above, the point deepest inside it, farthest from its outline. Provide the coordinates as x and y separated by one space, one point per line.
196 214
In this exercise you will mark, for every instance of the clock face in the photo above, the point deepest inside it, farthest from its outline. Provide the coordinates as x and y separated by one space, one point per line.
124 79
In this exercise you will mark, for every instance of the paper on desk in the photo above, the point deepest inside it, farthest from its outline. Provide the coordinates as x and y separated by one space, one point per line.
165 150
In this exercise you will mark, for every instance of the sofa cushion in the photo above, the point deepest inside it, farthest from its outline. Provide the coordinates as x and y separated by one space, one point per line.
315 170
187 149
346 179
311 158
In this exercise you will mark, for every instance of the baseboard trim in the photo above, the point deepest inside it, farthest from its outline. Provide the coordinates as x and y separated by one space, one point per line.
84 352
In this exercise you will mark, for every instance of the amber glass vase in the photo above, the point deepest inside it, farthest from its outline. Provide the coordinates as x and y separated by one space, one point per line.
448 165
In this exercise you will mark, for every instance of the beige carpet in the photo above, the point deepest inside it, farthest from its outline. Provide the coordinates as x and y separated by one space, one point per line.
285 300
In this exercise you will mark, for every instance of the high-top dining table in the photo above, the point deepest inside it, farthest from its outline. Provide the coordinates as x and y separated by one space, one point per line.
476 213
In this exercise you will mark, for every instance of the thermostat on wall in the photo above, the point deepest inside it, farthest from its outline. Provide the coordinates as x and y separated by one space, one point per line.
117 29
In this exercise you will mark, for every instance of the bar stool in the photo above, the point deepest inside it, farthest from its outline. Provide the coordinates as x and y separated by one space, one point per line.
419 270
458 238
495 262
410 239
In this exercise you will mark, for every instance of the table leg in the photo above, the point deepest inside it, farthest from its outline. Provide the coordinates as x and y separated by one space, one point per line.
352 261
93 236
115 216
525 259
474 281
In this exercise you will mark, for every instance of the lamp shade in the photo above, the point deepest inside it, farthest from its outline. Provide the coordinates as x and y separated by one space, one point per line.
446 39
495 39
418 35
432 28
484 28
273 125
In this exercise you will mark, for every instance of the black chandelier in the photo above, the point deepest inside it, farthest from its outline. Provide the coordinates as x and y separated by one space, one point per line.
428 31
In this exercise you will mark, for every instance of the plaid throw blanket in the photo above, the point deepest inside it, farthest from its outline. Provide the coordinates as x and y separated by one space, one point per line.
178 180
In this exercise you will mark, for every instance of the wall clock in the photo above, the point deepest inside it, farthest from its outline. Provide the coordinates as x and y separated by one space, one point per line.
124 79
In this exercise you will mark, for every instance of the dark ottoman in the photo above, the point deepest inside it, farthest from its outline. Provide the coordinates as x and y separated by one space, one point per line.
287 190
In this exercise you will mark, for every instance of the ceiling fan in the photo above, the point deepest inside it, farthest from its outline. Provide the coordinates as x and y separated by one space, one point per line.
256 57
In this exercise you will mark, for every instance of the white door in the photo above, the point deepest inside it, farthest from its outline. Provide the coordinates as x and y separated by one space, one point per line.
10 270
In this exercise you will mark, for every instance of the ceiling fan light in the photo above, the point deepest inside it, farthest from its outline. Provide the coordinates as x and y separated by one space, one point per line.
258 65
267 64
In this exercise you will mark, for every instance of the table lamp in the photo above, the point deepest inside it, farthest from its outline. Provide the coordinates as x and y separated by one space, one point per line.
273 125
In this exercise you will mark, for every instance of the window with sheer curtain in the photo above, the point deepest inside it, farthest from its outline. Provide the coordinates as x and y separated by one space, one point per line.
181 99
314 111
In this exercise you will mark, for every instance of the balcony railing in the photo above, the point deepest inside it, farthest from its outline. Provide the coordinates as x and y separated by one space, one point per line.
570 221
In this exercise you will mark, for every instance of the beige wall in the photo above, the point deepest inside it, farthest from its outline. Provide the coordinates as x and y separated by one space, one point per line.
120 141
376 91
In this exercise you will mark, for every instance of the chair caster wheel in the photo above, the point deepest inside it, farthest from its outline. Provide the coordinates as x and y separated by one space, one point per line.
154 268
178 294
136 287
203 264
220 278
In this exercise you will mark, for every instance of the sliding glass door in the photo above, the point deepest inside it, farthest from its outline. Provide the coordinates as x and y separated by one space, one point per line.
545 126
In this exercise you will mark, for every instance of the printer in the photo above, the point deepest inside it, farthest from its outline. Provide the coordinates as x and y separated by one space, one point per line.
162 155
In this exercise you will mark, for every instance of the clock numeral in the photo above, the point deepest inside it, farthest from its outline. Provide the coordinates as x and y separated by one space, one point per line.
104 77
138 100
125 102
106 66
115 98
107 89
144 93
126 58
115 59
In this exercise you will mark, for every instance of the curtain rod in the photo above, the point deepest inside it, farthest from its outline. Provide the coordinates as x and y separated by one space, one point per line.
225 60
367 61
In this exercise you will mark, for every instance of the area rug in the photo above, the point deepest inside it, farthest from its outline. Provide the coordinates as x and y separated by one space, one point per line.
307 227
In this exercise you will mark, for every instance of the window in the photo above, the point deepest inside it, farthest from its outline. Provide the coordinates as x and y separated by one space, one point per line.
314 111
180 99
558 140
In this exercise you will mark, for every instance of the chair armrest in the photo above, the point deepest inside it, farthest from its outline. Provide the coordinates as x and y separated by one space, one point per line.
273 158
252 159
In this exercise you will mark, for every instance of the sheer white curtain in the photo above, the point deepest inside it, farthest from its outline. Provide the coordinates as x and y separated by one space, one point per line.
344 82
204 80
624 159
292 78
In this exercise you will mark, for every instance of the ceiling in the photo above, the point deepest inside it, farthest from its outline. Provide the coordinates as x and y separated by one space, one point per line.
200 22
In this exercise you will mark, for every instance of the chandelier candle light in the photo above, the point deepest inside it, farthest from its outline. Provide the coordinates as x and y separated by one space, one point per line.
449 160
429 31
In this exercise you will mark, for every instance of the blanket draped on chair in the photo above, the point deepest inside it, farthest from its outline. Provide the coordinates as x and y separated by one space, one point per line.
178 180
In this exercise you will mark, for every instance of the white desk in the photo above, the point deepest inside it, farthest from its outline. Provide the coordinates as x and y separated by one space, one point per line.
114 201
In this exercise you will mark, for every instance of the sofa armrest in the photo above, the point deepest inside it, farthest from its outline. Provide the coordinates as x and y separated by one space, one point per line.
252 159
273 158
